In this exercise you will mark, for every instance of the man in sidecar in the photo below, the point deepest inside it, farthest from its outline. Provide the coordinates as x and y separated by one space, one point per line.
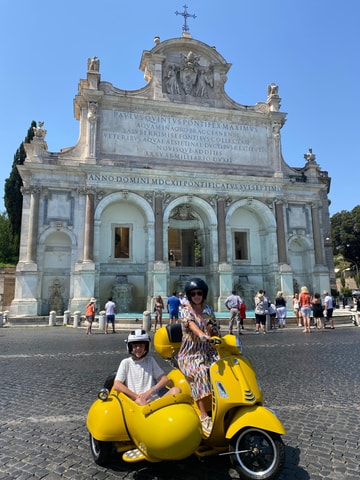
135 375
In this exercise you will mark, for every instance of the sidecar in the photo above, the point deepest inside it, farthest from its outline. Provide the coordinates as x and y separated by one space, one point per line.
166 429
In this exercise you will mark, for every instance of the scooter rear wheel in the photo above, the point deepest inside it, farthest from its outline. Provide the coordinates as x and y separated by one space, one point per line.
257 454
101 451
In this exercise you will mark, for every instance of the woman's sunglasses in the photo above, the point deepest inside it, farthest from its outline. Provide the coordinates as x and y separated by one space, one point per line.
195 293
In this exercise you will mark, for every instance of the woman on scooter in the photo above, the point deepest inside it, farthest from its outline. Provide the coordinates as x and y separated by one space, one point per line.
196 353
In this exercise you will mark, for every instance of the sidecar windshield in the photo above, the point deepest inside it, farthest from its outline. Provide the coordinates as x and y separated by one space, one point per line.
239 343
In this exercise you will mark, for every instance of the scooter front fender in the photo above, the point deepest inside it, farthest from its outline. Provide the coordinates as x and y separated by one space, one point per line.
257 417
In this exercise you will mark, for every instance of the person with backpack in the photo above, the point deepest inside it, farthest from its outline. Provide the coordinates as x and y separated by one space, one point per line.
261 309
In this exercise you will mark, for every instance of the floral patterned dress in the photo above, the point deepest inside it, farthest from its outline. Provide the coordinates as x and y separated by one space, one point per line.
195 356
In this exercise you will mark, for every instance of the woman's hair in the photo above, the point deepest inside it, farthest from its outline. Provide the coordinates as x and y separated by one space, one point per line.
304 289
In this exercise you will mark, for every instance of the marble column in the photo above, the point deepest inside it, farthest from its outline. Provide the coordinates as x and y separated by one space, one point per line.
221 230
159 227
89 228
280 232
319 253
33 225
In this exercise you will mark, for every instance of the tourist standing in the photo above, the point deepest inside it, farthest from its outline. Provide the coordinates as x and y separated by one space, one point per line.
296 309
90 315
280 305
233 303
318 311
329 309
305 305
158 310
173 305
110 308
261 309
358 310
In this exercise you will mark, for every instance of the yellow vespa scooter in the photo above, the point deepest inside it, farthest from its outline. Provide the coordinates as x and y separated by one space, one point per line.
169 427
242 427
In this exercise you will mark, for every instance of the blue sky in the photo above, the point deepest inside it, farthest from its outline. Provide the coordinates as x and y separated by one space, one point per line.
310 48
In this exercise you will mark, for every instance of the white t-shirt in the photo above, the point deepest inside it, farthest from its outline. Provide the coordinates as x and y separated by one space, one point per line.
110 308
139 375
329 301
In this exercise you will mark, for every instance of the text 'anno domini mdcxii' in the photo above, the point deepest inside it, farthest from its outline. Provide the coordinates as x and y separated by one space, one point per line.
98 178
132 133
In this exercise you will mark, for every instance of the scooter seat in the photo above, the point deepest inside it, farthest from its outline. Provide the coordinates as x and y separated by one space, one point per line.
174 332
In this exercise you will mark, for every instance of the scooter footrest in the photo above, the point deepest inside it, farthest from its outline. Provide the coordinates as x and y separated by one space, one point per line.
132 456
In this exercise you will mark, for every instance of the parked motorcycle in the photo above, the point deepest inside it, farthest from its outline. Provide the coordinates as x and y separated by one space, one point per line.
169 428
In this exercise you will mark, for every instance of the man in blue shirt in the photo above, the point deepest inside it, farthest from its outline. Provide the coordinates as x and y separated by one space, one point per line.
173 304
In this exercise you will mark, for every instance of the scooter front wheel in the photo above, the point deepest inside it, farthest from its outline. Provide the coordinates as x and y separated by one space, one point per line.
257 454
101 451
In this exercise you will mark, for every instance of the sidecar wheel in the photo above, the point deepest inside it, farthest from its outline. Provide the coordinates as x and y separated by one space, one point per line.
257 454
101 451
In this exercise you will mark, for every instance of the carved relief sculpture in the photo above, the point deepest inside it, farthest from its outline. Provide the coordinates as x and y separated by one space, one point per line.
56 300
188 77
188 72
172 85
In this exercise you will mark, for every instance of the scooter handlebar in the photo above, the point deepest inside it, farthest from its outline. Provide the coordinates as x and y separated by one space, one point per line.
215 341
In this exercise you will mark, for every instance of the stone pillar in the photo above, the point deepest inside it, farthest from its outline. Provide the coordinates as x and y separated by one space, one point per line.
77 317
89 228
159 229
33 226
102 320
66 319
221 230
146 324
319 253
281 242
52 318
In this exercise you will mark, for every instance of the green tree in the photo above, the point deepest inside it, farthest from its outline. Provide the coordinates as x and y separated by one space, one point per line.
8 251
345 233
13 197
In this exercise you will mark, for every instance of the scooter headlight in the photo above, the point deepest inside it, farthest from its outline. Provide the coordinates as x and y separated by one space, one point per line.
103 394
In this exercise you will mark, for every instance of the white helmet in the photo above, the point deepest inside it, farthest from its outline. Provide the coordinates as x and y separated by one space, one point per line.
138 336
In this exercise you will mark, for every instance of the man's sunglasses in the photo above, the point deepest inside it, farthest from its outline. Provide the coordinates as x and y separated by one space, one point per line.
195 293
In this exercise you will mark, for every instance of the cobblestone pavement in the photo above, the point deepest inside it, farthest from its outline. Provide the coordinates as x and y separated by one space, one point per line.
51 375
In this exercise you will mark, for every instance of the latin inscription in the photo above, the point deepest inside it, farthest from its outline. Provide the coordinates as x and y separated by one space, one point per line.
145 135
96 179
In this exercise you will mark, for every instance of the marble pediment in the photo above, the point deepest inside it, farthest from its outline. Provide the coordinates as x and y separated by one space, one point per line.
187 71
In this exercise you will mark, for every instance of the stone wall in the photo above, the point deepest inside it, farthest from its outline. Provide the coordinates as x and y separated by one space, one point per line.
7 287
